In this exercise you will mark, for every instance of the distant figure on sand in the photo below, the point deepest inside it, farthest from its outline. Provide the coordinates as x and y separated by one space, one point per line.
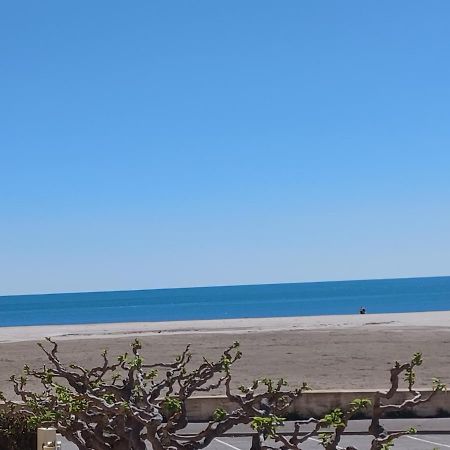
362 310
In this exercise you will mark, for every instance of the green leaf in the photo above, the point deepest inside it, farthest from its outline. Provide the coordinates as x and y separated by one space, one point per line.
219 414
267 425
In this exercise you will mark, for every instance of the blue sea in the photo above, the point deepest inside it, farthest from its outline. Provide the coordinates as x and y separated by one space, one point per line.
266 300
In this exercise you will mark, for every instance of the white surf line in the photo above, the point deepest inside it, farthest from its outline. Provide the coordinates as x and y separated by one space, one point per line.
227 444
428 442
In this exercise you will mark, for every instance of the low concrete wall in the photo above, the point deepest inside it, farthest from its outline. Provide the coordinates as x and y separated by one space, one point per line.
318 403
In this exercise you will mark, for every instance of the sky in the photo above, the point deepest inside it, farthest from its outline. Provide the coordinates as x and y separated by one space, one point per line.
152 144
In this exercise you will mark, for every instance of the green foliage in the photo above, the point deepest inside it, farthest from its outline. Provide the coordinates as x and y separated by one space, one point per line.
410 376
306 387
149 402
387 445
438 385
325 439
42 417
417 359
227 360
16 432
267 425
172 404
75 403
334 418
226 363
136 345
243 389
359 403
109 398
271 386
48 376
219 414
151 374
136 362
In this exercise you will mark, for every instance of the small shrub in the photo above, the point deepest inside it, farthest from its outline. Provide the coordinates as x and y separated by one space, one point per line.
16 432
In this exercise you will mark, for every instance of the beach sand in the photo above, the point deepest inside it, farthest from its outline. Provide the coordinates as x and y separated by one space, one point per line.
329 352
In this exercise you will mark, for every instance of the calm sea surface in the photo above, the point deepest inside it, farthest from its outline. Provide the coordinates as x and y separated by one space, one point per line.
296 299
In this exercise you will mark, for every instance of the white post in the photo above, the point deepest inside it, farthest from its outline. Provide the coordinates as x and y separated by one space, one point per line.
45 435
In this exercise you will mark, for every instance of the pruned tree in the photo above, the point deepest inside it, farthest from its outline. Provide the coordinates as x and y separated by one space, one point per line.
382 401
332 426
119 405
122 404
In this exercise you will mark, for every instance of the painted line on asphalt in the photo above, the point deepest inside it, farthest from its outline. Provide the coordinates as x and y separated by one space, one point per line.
317 440
342 448
237 448
227 444
428 442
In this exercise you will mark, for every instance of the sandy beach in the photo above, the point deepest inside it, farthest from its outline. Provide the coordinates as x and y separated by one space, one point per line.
329 352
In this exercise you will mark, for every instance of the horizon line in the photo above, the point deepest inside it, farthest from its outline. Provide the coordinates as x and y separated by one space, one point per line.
224 286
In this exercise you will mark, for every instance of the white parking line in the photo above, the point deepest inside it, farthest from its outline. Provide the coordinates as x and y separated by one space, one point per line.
428 442
237 448
317 440
342 448
227 444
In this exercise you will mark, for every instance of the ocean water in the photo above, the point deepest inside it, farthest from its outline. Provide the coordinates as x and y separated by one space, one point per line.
270 300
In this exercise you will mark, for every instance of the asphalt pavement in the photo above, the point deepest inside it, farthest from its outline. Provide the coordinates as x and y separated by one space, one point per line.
431 434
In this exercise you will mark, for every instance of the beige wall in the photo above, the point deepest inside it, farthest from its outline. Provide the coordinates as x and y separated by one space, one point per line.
318 403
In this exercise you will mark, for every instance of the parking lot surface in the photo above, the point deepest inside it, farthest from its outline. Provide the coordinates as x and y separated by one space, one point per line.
432 434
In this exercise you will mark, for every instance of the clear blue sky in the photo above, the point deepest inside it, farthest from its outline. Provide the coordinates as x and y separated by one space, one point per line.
177 143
